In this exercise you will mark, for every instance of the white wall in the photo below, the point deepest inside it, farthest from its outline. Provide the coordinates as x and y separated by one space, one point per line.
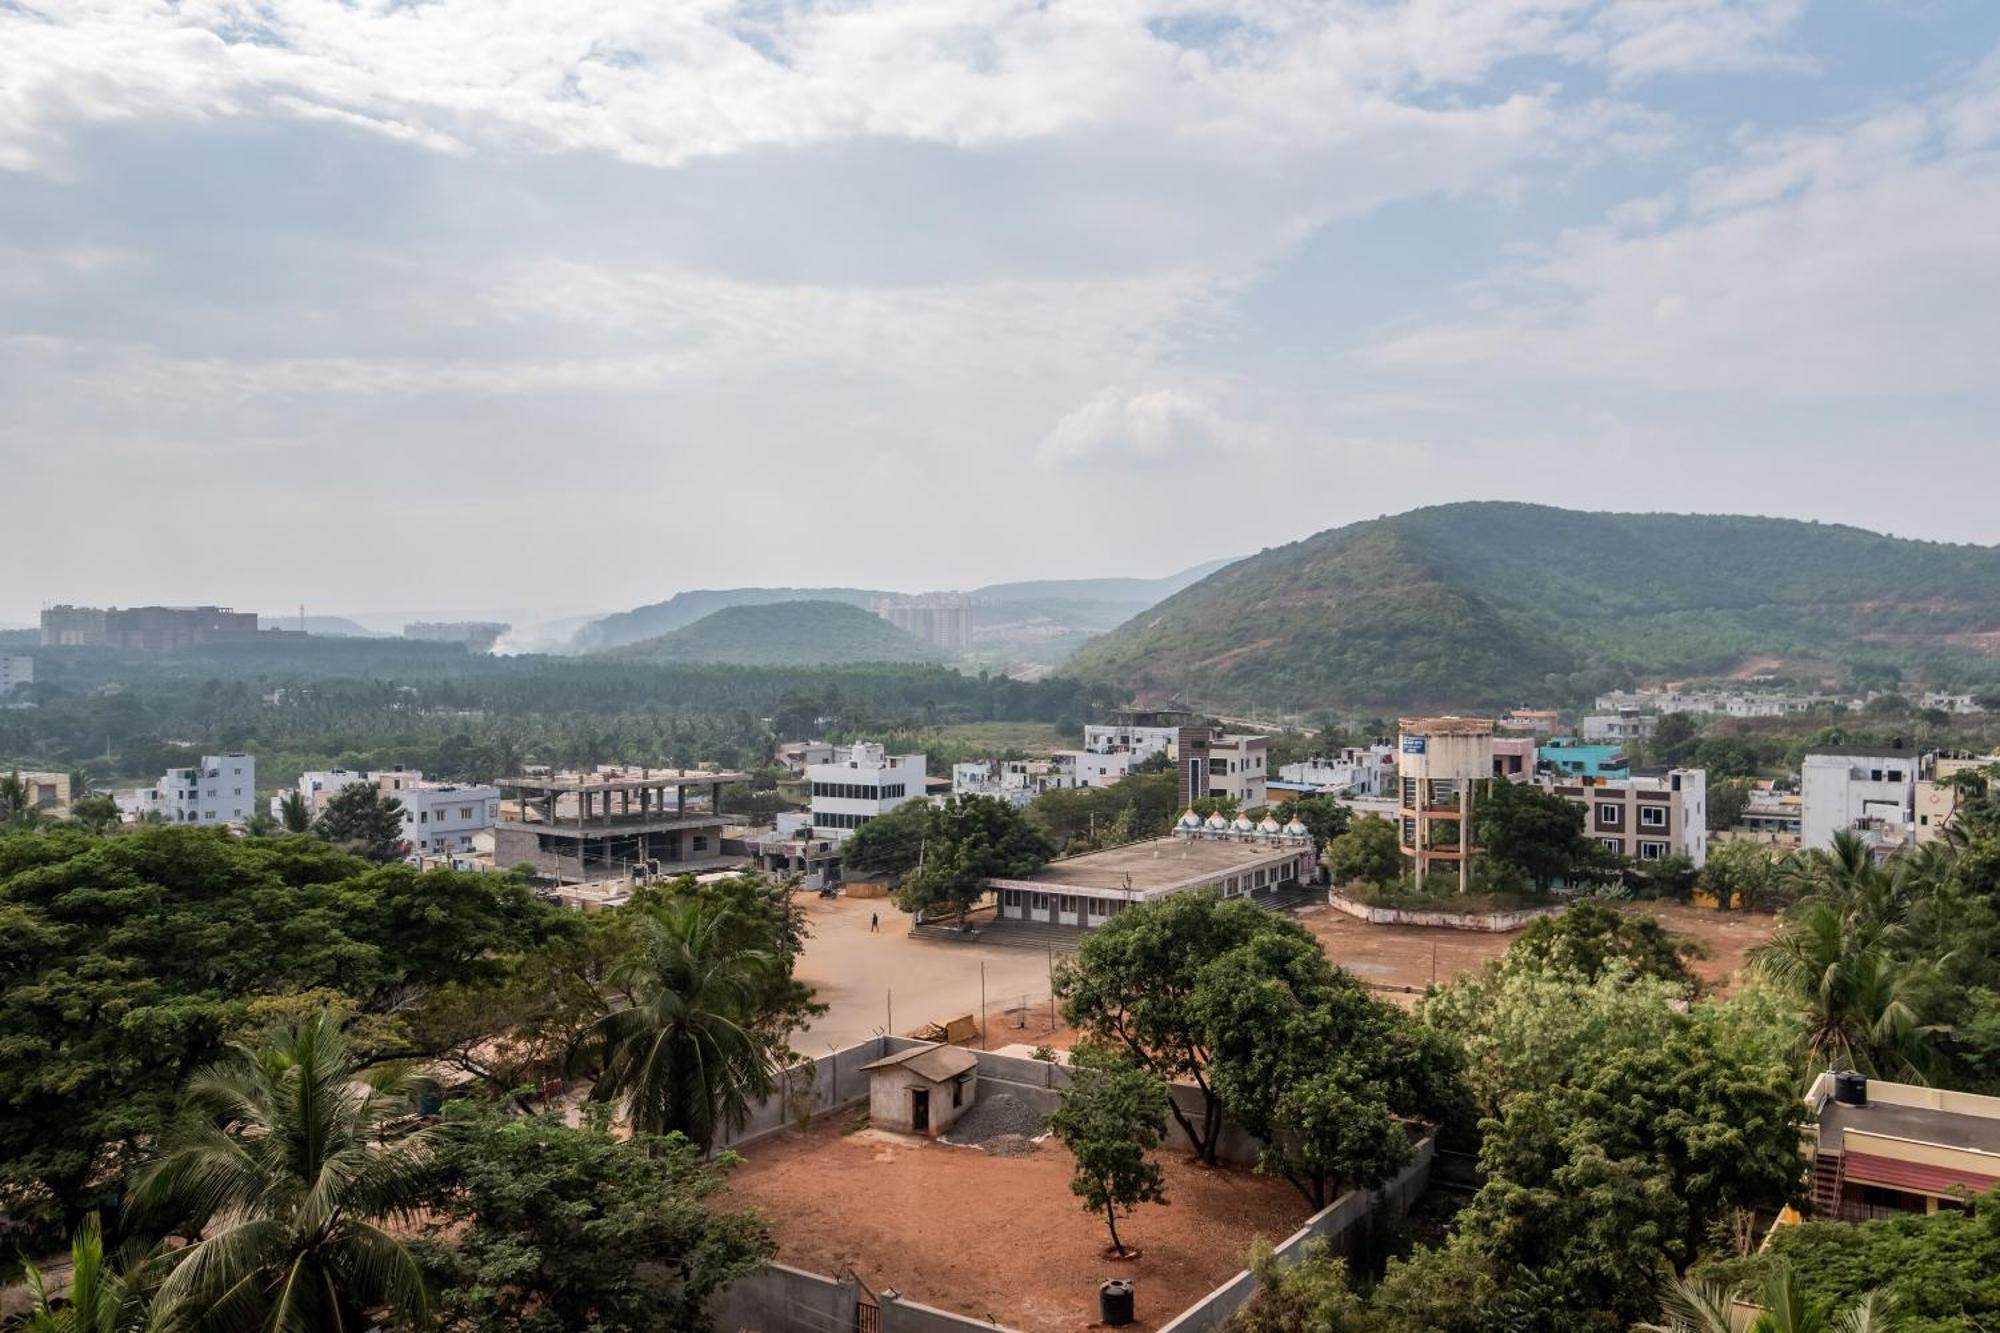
446 817
1838 791
221 790
861 766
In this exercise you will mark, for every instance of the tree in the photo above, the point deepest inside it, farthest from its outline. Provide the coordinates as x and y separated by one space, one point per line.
1111 1115
1310 1295
556 1228
890 844
1592 935
967 841
1132 984
1325 818
293 1171
98 1300
359 819
1693 1306
691 1052
1726 803
1740 875
1537 833
1858 1006
1367 853
294 813
16 811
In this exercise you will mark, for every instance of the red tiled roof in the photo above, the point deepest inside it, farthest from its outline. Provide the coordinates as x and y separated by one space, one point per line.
1916 1177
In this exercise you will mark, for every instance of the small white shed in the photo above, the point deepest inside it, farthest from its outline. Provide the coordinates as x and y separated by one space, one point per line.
922 1090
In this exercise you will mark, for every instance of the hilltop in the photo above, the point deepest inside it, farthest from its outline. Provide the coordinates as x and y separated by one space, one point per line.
1492 603
794 633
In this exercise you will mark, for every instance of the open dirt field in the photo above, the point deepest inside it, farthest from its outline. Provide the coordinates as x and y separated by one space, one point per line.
1411 957
1000 1238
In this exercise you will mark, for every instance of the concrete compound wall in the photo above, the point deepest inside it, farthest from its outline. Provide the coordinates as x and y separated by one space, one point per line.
828 1084
778 1299
1344 1223
1495 922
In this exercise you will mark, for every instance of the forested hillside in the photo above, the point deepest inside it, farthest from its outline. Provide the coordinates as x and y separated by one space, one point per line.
1490 603
786 634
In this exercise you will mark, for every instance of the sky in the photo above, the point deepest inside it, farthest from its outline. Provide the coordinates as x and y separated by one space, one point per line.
576 303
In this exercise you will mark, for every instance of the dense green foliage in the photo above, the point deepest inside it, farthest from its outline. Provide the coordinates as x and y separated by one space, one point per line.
1533 833
1941 1272
785 634
361 820
127 962
1366 853
946 853
1592 937
1492 603
555 1229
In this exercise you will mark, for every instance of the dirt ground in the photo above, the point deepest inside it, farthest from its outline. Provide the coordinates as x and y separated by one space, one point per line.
1001 1238
1411 957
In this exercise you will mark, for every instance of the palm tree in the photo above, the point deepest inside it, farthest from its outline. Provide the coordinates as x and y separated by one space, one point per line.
98 1300
285 1163
1859 1006
688 1054
1704 1307
293 812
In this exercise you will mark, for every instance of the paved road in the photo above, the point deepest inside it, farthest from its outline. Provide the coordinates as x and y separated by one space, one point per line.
863 977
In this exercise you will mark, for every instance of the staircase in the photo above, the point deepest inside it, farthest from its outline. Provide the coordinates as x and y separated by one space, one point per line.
1826 1183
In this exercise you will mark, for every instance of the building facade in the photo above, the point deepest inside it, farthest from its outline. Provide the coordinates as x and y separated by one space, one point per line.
614 821
943 620
47 794
1142 732
1627 724
1881 1149
860 783
17 671
220 790
1440 764
1358 770
1214 765
1865 789
445 817
1645 818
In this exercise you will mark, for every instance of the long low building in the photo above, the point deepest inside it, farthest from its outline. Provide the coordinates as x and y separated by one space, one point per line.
1237 860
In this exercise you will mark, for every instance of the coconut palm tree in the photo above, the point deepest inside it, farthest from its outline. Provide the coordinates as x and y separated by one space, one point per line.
284 1167
293 813
1704 1307
688 1054
1860 1008
98 1300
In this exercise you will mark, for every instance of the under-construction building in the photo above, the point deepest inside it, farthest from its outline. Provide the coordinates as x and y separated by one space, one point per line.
942 619
613 821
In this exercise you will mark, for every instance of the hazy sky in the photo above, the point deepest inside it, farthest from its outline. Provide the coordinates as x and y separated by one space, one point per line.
431 303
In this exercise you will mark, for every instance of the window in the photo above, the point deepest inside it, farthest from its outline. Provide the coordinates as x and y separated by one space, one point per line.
700 842
1652 816
1611 845
1609 815
465 812
1652 851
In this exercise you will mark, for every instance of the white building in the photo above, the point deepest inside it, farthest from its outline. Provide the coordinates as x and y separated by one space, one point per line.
1627 724
995 780
1090 768
1358 770
1141 741
1867 789
1221 766
1949 703
440 817
222 789
860 783
318 787
15 672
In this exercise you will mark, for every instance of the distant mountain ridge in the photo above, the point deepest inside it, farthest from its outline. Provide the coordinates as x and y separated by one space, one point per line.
1487 603
1044 616
794 633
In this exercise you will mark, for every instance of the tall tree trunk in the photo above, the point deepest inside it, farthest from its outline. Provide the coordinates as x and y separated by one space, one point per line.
1111 1221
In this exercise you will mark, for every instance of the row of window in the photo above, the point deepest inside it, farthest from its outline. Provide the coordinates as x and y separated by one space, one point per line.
829 820
1648 851
859 791
1650 816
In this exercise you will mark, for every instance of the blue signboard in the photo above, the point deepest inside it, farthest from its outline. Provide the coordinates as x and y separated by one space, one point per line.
1413 745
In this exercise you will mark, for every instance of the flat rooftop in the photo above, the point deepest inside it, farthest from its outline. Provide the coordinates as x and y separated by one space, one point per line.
1920 1124
627 778
1158 863
1447 726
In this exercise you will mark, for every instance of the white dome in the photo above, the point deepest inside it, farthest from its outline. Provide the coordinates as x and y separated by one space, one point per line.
1296 829
1217 821
1243 824
1190 819
1269 825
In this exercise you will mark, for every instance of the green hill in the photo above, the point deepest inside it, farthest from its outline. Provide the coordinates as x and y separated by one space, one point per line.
785 634
1492 603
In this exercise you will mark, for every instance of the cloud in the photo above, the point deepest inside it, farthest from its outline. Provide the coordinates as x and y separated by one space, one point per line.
1852 261
1163 426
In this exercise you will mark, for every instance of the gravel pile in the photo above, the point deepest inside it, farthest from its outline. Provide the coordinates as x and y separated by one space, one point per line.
999 1115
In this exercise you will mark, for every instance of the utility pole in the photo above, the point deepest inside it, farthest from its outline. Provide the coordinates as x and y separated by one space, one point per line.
982 1004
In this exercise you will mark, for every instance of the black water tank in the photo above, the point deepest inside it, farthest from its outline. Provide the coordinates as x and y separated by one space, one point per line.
1114 1302
1850 1088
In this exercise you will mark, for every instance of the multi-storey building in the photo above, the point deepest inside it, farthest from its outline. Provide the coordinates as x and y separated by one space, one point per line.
222 789
1870 790
1358 770
145 629
1090 768
1627 724
16 671
46 793
614 821
316 787
1441 763
859 784
941 619
1213 765
444 817
1936 798
1142 732
1647 817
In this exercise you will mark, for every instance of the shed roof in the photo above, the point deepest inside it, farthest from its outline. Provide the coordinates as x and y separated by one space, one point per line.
937 1063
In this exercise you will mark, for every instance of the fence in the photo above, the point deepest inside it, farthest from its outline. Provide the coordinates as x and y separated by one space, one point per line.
809 1091
777 1299
1345 1223
1496 922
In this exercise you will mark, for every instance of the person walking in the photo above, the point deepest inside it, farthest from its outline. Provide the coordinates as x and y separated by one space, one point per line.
874 923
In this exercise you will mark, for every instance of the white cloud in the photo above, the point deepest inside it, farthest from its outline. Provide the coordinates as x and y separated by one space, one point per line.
1161 426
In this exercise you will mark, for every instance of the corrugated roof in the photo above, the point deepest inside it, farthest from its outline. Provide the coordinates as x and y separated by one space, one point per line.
1916 1177
937 1063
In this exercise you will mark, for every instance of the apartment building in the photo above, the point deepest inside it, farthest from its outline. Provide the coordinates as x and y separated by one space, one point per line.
47 794
941 619
1357 770
1627 724
1882 1149
16 672
614 820
1216 765
1870 790
1646 817
145 629
317 787
859 784
1440 764
1092 768
443 817
1142 732
220 790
